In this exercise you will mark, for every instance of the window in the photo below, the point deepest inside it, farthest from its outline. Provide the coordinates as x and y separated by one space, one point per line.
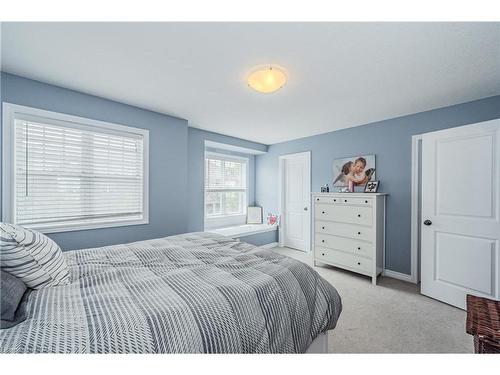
225 190
63 172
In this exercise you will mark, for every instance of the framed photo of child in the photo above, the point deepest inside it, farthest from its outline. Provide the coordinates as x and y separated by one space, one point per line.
358 169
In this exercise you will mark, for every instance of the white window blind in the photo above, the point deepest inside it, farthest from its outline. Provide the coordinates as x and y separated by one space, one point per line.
75 176
225 186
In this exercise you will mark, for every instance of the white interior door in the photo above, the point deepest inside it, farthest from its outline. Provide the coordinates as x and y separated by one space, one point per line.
460 213
295 199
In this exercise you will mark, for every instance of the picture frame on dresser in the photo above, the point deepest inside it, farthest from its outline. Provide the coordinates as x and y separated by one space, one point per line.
372 186
349 231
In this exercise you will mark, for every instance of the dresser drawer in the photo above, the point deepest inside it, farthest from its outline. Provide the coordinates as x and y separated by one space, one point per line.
355 201
349 245
344 230
344 213
343 259
330 200
344 200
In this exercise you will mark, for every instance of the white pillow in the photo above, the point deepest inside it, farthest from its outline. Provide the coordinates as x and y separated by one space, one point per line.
32 257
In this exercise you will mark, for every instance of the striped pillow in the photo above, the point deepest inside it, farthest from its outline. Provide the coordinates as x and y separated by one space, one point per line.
32 257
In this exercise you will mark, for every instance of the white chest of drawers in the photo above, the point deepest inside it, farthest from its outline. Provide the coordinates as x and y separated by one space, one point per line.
349 231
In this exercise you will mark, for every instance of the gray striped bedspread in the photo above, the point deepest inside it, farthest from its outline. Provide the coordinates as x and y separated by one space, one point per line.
191 293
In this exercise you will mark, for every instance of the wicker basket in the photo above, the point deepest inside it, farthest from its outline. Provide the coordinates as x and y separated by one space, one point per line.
483 322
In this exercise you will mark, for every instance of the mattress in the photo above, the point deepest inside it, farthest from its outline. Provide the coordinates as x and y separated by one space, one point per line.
190 293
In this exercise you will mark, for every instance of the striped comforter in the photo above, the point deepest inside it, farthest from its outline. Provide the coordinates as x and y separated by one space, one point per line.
191 293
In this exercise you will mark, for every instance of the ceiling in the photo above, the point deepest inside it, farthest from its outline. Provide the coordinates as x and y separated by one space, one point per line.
340 75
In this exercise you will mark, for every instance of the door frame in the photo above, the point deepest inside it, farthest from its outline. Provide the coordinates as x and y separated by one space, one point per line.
281 195
416 142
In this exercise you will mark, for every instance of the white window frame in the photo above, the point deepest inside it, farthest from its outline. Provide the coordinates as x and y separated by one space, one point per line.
11 112
226 220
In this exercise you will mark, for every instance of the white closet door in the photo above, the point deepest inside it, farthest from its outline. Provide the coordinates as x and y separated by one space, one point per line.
460 213
297 190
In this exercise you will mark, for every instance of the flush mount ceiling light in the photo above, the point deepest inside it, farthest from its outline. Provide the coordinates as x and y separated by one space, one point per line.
267 80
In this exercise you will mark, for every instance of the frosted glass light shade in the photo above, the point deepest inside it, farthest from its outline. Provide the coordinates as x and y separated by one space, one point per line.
267 80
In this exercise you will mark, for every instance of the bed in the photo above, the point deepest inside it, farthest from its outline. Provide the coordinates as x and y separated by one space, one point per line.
190 293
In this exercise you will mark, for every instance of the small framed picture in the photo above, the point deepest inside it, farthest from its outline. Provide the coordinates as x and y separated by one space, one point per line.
371 186
254 215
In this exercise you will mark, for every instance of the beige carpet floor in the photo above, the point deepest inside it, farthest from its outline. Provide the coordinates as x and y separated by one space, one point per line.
392 317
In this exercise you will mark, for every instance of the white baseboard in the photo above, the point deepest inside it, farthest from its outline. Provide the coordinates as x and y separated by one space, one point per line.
398 275
269 245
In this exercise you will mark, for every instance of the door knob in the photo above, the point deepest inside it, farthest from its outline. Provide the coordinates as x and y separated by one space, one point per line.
427 222
305 208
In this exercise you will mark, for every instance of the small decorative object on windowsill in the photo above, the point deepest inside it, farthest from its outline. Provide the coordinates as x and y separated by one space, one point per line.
254 215
344 190
325 189
371 186
272 219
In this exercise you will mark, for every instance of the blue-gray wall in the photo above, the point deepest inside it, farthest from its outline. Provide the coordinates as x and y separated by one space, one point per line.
168 160
196 157
390 141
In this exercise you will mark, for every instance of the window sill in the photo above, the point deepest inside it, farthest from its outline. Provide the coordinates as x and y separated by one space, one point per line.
244 230
86 226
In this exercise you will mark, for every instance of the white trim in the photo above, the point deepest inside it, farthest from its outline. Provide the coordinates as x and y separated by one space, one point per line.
270 245
13 111
225 146
281 203
415 192
227 156
384 235
280 200
398 275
